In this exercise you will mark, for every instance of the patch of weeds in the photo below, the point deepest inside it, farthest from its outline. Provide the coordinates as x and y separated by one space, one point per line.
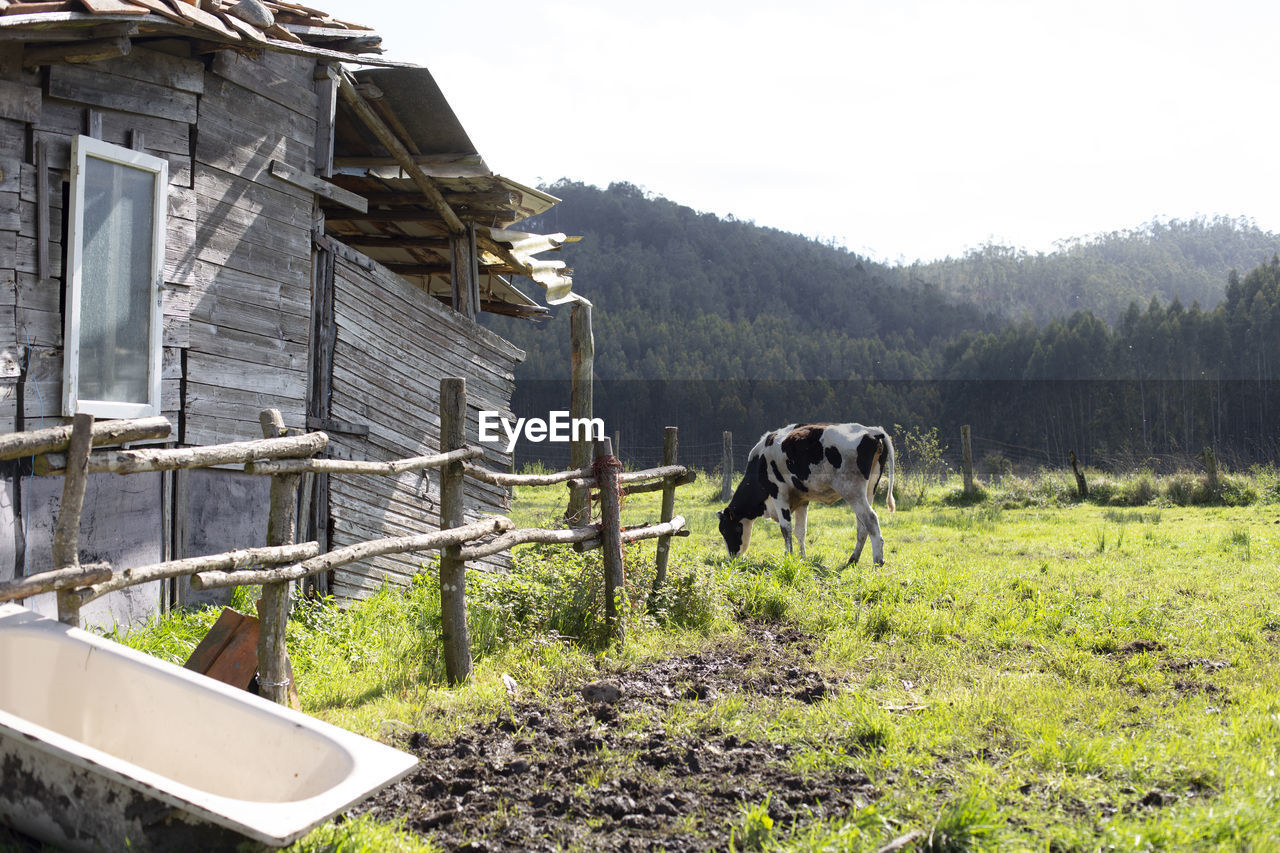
1023 591
866 733
690 599
959 497
1240 541
963 825
1139 516
362 834
760 597
878 624
755 828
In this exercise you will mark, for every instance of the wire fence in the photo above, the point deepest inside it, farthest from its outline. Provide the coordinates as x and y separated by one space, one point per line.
993 459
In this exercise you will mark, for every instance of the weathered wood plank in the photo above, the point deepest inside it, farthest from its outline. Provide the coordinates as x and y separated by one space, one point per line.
19 101
230 250
218 311
381 280
91 86
297 93
10 174
403 434
162 69
221 193
319 187
215 401
400 373
242 151
25 251
10 217
402 504
246 375
227 342
248 287
162 135
453 347
254 112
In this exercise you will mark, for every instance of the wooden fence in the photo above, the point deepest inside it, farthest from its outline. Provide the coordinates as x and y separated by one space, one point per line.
69 451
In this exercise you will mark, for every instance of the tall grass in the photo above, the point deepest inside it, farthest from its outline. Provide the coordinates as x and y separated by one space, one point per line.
1049 488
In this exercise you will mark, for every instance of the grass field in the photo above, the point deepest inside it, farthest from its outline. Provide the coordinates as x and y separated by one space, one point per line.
1023 673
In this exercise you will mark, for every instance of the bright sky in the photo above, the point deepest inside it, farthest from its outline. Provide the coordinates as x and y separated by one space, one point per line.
901 129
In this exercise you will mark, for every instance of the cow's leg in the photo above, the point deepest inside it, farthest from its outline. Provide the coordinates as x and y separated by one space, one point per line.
784 521
799 521
868 526
877 541
862 539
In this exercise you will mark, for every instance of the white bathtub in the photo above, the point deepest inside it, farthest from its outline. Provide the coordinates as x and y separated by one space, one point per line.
103 748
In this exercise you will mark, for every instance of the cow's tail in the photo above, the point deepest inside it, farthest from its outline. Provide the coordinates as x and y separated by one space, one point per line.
888 464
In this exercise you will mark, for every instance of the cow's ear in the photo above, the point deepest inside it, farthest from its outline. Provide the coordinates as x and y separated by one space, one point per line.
719 513
728 513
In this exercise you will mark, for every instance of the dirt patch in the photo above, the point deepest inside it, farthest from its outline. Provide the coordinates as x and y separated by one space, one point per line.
1138 647
1189 664
569 773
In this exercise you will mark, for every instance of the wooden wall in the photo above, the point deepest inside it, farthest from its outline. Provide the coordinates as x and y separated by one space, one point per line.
238 304
250 264
410 341
148 99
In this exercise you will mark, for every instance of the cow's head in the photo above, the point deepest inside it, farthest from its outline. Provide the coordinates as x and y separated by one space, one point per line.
736 532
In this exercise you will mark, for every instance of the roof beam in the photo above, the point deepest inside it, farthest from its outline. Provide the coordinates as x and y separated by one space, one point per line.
353 98
472 163
461 199
391 241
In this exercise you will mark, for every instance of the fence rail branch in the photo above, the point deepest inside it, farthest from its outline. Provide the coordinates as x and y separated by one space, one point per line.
528 535
502 478
86 573
634 476
54 439
231 560
344 466
659 485
674 527
354 553
140 461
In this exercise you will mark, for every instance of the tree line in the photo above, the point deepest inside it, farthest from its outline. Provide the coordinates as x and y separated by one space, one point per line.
717 324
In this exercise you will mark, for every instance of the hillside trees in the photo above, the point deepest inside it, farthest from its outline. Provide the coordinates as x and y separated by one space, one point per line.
719 324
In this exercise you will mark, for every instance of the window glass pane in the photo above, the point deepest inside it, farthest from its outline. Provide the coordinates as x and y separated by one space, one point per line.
115 300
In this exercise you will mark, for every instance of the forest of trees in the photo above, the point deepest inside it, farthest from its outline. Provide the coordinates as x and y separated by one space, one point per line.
714 325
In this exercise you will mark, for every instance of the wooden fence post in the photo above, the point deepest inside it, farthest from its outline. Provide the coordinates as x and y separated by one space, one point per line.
670 447
615 579
583 347
966 451
66 535
453 570
726 469
1082 486
273 608
1211 470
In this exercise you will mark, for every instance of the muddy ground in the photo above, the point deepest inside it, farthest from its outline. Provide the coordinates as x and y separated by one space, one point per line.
593 769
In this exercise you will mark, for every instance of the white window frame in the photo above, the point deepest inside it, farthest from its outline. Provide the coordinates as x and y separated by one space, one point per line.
83 147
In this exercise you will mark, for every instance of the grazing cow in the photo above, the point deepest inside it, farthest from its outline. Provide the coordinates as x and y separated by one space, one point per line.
792 466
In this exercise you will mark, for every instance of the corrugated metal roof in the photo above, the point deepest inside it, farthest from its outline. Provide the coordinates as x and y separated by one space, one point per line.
402 229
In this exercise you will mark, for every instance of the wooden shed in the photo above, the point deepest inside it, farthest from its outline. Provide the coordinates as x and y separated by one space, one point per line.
208 209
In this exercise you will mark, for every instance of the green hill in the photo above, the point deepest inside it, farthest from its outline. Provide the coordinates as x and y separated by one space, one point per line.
1184 260
1162 339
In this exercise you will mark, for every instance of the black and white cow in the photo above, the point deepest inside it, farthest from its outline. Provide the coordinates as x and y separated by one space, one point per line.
799 463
